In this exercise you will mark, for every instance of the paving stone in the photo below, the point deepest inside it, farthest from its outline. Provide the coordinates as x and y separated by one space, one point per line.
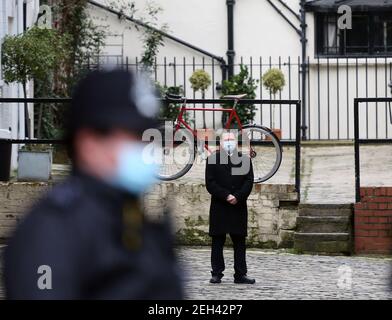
280 275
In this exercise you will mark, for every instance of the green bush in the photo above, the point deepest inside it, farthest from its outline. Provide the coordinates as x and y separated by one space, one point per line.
240 83
32 55
170 111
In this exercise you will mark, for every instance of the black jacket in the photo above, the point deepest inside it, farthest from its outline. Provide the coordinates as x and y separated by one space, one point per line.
98 245
221 181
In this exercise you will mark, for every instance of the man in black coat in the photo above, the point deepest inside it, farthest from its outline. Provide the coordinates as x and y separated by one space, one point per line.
88 237
229 180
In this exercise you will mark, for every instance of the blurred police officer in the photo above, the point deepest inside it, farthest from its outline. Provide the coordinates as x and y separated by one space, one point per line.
229 180
88 238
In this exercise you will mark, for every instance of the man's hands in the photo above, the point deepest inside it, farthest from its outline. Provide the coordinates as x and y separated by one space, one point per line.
231 199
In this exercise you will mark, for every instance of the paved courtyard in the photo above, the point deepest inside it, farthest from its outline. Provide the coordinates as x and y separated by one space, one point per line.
327 172
287 276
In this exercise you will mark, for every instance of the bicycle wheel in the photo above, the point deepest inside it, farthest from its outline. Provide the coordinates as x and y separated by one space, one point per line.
265 150
177 153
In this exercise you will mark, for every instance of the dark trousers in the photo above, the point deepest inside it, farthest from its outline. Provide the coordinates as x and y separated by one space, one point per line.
217 259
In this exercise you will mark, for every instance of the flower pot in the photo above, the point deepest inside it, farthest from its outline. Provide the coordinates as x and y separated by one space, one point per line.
34 165
277 132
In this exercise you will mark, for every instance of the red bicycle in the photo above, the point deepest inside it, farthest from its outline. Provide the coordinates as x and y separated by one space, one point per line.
181 143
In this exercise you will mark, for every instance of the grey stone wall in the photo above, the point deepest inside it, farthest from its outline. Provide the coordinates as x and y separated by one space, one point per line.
272 211
15 199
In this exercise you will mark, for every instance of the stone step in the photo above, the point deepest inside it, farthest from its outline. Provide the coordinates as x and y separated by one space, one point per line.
319 210
323 224
323 243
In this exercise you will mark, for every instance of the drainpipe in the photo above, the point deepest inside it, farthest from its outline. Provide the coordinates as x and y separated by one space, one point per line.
304 68
230 37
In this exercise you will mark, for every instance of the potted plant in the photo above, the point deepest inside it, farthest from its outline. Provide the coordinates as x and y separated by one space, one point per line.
201 81
32 55
240 83
34 162
274 81
170 111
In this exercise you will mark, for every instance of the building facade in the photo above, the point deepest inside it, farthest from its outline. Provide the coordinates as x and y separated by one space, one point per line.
15 17
339 65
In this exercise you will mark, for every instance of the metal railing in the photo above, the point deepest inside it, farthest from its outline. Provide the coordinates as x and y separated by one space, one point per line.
331 84
358 140
289 103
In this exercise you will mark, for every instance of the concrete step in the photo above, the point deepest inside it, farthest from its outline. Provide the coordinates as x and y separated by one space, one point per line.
319 210
323 224
323 243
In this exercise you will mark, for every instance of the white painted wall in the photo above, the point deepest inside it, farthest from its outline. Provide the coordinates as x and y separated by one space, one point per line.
260 32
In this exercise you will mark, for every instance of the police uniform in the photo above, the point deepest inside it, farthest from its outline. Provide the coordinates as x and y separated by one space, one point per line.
86 239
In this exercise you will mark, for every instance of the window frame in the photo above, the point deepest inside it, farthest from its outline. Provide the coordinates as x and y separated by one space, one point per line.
324 52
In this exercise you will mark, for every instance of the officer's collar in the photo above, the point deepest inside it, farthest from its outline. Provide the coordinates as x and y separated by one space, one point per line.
101 187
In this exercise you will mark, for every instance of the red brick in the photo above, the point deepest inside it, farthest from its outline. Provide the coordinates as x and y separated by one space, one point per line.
383 220
383 213
373 233
384 233
361 233
361 220
364 213
373 206
377 192
380 199
377 226
374 219
389 191
360 206
383 206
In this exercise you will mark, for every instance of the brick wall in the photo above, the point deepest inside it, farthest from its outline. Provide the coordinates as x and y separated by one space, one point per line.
373 221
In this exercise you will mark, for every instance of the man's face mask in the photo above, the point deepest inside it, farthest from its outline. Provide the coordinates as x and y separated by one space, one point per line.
229 146
136 171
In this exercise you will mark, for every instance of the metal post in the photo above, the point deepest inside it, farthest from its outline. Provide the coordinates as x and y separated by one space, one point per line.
356 153
298 150
230 37
304 67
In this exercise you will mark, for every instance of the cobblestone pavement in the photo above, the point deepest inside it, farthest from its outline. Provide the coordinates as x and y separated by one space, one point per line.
289 276
286 276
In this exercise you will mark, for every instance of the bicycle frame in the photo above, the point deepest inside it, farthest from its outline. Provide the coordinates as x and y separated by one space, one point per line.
232 116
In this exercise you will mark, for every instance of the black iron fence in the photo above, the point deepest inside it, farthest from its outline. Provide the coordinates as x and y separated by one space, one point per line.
331 85
296 141
361 137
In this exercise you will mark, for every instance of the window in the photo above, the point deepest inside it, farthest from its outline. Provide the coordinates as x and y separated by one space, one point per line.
371 35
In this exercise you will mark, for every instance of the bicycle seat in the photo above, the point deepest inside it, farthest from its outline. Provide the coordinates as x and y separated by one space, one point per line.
235 97
174 97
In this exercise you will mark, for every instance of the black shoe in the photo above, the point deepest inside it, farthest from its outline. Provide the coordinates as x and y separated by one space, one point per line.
215 279
244 279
